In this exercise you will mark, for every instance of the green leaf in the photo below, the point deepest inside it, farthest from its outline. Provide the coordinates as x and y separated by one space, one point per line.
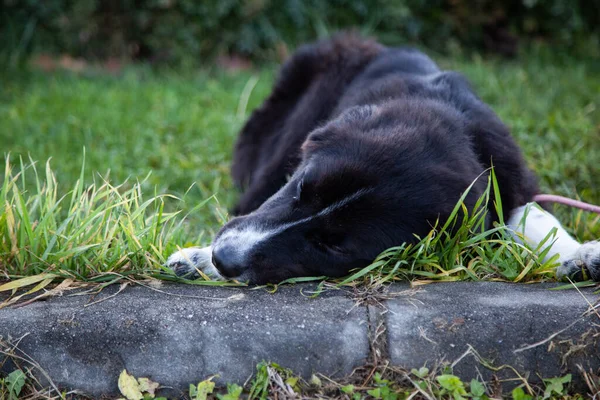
519 394
315 381
15 382
477 388
292 381
450 382
203 389
453 385
259 388
556 385
233 392
421 372
348 389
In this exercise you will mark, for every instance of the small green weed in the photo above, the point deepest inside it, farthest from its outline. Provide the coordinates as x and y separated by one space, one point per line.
556 387
234 392
11 386
97 232
383 389
202 389
271 378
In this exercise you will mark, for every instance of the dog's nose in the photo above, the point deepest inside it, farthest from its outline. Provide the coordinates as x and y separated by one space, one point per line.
226 260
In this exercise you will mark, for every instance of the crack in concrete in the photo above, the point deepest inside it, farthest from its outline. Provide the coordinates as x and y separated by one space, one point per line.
377 334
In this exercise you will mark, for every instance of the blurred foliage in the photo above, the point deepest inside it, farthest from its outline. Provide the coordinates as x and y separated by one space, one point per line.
175 30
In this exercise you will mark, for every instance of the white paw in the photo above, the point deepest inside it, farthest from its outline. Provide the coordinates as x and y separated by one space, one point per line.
584 264
188 262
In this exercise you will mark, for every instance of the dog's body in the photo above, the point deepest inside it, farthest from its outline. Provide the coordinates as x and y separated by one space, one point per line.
360 148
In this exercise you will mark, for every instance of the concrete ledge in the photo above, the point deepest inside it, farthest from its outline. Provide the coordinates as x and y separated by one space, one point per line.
194 332
503 324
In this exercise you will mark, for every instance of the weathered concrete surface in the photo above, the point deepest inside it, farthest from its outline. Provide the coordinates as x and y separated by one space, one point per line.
179 340
502 322
195 332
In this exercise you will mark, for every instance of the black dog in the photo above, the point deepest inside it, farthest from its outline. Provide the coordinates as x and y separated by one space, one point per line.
359 148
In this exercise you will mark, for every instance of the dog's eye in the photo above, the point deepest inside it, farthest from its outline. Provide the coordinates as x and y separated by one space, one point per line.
329 247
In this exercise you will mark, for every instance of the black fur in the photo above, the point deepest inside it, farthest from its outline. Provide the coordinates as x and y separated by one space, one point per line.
349 117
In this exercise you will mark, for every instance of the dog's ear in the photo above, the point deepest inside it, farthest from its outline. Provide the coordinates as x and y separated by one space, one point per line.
318 138
334 131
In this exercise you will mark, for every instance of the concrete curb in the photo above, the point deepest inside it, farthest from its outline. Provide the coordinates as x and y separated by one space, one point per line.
195 332
469 324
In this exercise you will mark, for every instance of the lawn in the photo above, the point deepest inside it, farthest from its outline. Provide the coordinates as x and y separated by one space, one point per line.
156 147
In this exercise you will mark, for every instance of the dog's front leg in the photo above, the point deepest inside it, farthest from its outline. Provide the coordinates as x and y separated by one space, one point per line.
577 260
190 261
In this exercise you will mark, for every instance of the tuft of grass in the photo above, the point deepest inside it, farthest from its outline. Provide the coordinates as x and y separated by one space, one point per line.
87 232
463 248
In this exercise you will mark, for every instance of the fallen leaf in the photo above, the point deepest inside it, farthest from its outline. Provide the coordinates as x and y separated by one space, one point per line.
129 387
37 287
204 388
19 283
148 386
56 291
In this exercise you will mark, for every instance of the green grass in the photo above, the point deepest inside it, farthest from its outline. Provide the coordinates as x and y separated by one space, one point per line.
157 153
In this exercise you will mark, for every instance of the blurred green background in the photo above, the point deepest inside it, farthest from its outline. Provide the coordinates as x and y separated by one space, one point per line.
176 31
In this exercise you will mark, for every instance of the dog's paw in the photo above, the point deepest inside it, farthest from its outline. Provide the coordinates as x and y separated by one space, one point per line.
188 262
583 265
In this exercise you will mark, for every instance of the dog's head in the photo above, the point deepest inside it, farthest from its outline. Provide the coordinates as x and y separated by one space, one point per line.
372 178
